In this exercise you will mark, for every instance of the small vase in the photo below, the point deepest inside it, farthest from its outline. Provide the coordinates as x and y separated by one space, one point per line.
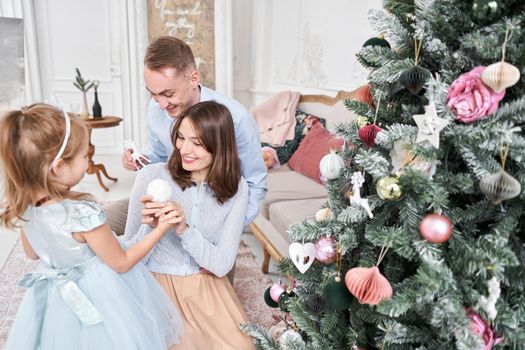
84 113
97 108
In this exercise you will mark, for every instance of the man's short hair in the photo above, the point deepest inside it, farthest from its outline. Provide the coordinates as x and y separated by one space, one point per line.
168 51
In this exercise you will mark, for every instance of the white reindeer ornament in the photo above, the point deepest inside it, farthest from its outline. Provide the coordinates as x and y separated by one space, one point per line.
357 181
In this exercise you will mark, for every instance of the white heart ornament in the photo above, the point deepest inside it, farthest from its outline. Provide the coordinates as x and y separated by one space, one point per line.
302 255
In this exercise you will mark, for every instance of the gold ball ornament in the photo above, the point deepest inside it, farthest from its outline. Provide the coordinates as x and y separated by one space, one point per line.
388 188
500 186
361 121
436 228
486 11
500 76
324 214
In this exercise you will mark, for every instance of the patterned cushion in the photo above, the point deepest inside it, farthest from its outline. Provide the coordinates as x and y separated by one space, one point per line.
303 125
312 149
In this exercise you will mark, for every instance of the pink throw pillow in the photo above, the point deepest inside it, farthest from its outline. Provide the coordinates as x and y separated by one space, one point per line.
312 149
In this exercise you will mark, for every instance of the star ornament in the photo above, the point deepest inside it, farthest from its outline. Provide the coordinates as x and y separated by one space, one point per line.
429 125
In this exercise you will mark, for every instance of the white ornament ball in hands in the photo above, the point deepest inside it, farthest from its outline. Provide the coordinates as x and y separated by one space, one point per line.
331 165
160 190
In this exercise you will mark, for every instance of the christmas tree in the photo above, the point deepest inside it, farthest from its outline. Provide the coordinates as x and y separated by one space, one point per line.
422 244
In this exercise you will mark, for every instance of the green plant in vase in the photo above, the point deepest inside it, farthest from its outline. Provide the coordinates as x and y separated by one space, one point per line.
83 85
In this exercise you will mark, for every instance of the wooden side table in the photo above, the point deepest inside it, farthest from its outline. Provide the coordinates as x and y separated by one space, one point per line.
99 123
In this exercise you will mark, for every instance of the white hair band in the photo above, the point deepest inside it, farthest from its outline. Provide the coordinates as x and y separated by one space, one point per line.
66 138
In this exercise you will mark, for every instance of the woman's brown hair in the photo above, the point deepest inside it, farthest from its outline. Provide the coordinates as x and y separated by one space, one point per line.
29 141
213 125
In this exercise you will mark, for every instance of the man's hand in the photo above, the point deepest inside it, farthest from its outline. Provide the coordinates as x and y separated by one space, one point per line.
131 162
127 160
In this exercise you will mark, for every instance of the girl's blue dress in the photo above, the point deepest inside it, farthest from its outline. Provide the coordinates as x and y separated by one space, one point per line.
75 301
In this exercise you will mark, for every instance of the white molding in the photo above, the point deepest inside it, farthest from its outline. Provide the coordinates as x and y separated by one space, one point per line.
312 51
223 47
33 74
262 17
10 8
42 39
24 9
136 96
281 72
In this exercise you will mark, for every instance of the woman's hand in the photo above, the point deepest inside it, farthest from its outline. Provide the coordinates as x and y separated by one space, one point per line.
149 211
203 270
172 214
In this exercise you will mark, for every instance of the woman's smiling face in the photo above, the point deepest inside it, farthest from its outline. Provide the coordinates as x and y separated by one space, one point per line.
195 158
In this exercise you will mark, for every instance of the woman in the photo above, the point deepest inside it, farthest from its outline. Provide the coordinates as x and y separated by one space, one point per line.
210 205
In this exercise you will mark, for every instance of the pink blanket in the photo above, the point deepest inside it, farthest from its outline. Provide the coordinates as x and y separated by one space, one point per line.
276 117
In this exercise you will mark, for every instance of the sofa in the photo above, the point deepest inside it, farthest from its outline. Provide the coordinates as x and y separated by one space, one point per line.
293 197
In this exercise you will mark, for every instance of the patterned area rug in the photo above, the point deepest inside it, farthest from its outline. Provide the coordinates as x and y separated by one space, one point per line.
249 284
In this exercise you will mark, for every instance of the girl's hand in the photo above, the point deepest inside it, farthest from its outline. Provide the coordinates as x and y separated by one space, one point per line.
149 211
172 214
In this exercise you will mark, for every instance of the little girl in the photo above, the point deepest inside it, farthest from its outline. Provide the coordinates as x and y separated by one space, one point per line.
88 292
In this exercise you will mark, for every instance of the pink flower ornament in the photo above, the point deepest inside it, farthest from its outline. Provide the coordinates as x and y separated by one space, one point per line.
483 329
470 98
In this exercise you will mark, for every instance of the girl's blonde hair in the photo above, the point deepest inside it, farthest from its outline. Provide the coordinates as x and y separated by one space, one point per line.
29 141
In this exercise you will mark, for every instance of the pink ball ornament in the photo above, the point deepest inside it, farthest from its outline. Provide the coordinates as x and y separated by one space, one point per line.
326 250
276 290
436 228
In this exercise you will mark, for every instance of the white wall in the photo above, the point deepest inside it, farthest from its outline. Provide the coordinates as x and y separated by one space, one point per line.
302 45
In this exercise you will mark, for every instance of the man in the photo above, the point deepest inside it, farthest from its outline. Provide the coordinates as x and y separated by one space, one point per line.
172 79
